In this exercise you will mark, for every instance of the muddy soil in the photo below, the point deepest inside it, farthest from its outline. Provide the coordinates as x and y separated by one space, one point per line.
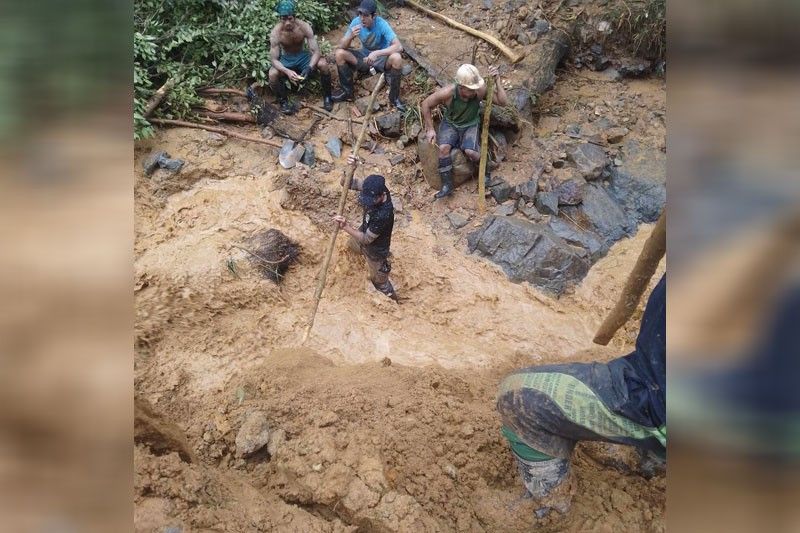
384 420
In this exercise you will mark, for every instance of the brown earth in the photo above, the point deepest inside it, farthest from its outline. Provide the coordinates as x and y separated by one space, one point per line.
385 420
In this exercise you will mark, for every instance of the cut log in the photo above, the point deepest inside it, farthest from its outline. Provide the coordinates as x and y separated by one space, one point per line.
511 54
434 72
159 95
223 131
543 58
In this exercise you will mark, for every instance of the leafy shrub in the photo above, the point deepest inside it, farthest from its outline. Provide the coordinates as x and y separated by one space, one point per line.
206 42
642 24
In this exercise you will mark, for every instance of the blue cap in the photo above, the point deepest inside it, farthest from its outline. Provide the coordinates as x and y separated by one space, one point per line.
371 189
368 6
285 8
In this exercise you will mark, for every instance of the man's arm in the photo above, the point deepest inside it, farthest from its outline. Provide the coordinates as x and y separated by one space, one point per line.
347 38
439 97
312 46
275 51
499 97
362 237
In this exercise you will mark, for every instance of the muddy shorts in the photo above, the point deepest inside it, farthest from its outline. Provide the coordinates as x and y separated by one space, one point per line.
361 54
548 409
296 62
464 138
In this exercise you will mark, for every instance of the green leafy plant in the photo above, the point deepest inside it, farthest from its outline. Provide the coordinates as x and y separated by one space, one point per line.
642 25
207 42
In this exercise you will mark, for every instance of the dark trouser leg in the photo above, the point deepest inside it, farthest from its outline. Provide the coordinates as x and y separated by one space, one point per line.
393 77
345 83
446 173
282 94
379 276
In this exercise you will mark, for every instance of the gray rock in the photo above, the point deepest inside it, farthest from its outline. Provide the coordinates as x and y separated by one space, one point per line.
161 159
309 157
391 124
334 146
523 38
594 246
522 99
407 69
362 103
589 158
397 159
457 220
639 184
635 68
540 27
253 435
500 144
487 4
615 135
505 209
527 190
547 203
529 210
602 214
570 192
529 252
502 191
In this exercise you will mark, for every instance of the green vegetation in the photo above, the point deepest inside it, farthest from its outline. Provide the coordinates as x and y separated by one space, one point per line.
207 42
643 26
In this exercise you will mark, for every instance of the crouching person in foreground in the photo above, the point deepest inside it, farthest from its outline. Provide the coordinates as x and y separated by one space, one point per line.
546 410
374 236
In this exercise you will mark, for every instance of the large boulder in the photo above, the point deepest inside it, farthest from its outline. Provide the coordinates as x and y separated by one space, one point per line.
639 184
595 246
530 252
601 214
391 124
429 157
589 158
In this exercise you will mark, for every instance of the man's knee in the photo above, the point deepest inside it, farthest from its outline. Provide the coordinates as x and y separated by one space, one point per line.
472 154
322 65
395 61
343 56
273 74
444 150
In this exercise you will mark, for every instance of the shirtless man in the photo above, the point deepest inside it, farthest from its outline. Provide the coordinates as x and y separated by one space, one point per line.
461 119
291 60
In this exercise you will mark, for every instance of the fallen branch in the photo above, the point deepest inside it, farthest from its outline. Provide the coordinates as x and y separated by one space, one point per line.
328 114
212 90
654 249
487 113
422 61
159 95
512 55
223 131
342 199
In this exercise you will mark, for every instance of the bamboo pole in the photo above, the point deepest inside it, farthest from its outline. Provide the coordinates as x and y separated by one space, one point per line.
512 55
646 265
223 131
342 199
487 111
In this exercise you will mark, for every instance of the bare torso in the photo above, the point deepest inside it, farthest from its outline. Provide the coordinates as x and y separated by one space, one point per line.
290 38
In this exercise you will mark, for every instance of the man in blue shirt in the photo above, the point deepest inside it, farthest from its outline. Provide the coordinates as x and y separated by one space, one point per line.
380 49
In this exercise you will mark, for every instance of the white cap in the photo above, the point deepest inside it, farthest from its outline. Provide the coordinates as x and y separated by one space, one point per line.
469 77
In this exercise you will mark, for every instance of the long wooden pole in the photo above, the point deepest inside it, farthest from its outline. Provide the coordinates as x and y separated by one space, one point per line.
487 111
512 55
342 199
159 95
184 124
646 265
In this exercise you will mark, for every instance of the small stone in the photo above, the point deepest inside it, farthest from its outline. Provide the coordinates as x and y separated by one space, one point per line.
451 471
276 440
540 27
253 434
397 159
317 467
547 203
529 210
457 220
407 69
362 103
589 158
487 4
216 139
309 157
505 209
615 135
570 192
391 124
528 189
334 146
617 162
386 362
467 431
267 132
502 191
523 38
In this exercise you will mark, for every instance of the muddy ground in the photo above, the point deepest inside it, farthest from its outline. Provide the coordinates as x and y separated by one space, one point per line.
384 420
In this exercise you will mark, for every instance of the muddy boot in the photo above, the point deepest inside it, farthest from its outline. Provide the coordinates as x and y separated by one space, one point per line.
546 482
345 92
281 93
446 173
393 78
325 81
387 289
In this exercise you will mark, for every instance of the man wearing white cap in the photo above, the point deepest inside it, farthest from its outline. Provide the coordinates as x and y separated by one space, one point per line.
461 119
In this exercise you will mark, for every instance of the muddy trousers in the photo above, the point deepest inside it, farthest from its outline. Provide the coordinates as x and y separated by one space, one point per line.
378 269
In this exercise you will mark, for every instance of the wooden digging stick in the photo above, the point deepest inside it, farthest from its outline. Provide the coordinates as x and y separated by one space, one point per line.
342 199
654 249
512 55
487 111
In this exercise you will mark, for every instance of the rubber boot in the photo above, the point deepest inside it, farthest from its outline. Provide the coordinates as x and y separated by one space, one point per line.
447 184
546 482
387 289
345 92
325 81
281 93
393 77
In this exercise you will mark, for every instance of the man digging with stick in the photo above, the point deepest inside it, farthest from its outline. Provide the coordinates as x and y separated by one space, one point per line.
460 121
374 236
290 60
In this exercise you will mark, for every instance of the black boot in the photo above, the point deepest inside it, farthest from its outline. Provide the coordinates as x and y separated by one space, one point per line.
393 78
325 81
447 184
345 92
281 93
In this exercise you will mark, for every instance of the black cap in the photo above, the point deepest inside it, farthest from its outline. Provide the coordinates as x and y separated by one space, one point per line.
372 187
368 6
